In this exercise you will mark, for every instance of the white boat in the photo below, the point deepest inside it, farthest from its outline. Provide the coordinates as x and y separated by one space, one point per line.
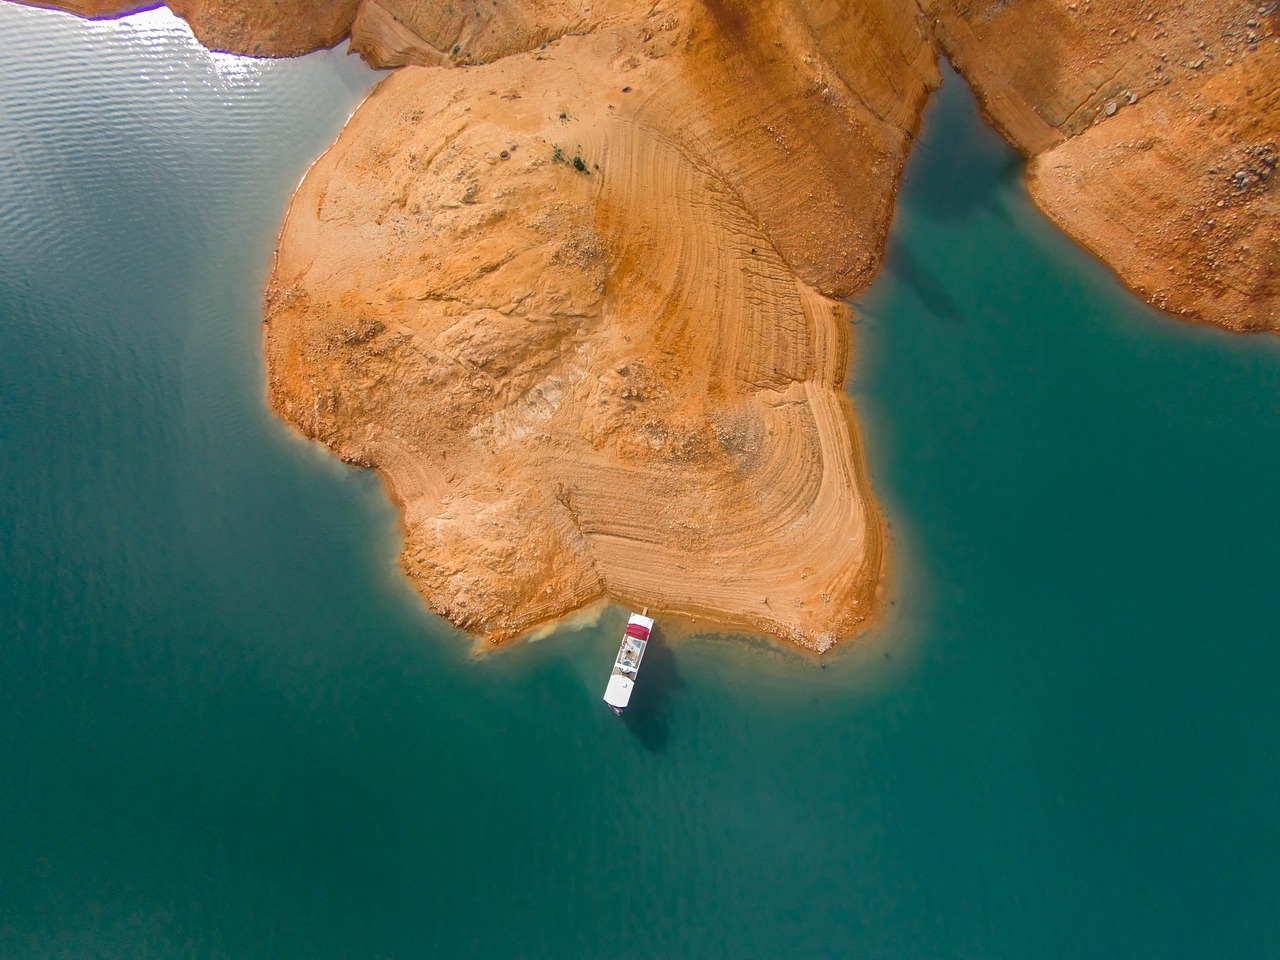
623 679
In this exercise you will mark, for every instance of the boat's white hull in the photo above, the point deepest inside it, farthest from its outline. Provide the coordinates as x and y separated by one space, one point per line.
617 693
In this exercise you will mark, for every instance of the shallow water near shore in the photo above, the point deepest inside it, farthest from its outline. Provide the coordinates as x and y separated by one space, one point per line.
229 729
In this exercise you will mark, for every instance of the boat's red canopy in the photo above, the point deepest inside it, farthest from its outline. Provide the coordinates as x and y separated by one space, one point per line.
637 631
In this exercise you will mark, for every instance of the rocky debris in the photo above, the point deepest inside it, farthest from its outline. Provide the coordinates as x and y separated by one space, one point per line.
1256 166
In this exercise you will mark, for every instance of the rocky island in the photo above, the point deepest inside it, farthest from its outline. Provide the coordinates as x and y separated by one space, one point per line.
571 279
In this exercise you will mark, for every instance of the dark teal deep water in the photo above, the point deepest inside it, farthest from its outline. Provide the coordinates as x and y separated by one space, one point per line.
227 729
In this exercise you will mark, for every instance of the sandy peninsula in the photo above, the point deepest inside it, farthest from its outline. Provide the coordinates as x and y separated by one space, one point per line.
582 319
571 278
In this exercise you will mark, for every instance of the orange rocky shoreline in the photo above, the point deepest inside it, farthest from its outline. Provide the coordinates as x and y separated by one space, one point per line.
580 305
1151 131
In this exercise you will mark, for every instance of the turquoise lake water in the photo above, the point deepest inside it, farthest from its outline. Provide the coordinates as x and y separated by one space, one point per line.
229 729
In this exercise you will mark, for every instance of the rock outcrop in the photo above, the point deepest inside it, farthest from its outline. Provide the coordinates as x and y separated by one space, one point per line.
1152 133
267 28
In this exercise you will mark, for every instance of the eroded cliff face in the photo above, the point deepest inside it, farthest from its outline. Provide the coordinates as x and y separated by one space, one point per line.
582 320
1152 133
395 33
1177 195
267 28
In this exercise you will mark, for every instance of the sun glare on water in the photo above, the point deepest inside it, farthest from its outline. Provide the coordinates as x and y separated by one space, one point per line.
170 38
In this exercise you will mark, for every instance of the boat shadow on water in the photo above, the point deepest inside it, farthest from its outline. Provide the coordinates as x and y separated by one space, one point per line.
648 716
